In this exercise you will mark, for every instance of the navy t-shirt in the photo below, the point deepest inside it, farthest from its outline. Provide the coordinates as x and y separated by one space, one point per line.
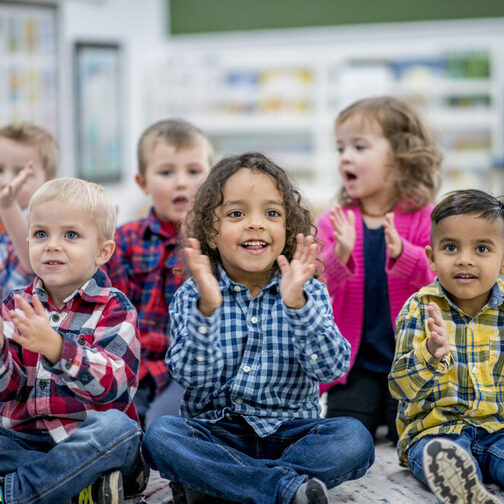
377 345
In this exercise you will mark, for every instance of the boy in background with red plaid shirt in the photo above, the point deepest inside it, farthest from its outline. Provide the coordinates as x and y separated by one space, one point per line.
173 159
69 357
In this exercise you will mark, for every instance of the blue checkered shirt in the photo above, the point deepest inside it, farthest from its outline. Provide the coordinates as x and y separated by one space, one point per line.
254 356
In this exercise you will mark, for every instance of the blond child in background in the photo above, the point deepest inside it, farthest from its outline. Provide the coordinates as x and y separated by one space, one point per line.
252 335
374 242
29 156
447 370
69 357
173 158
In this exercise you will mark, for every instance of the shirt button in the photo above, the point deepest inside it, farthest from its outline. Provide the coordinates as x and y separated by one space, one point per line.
239 400
314 356
199 358
55 317
68 365
202 329
82 341
475 370
246 369
43 384
253 320
237 288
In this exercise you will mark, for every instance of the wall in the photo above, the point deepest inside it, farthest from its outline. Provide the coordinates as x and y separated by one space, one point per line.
139 27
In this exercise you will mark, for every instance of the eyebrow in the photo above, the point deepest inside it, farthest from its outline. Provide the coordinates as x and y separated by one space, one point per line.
243 202
481 240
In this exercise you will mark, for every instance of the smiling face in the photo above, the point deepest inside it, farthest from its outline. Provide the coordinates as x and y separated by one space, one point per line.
172 176
250 227
14 157
65 247
467 254
366 164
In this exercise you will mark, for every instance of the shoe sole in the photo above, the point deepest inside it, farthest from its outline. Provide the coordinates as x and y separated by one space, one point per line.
451 474
111 491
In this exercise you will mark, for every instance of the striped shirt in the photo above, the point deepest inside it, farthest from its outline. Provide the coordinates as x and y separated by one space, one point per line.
254 356
466 387
98 366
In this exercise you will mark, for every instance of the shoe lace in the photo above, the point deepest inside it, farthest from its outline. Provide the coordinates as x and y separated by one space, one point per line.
85 496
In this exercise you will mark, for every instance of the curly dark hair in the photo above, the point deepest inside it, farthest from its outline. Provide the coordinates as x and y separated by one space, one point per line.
201 219
417 155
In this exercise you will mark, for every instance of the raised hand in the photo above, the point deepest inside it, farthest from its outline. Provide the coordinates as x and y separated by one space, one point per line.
9 193
393 241
438 344
344 232
34 331
199 266
296 273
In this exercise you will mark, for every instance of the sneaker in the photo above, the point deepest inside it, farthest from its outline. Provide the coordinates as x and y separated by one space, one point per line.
108 489
312 491
452 476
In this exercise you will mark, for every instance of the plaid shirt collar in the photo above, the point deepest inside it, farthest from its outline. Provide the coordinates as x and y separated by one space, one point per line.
95 290
152 225
436 289
225 283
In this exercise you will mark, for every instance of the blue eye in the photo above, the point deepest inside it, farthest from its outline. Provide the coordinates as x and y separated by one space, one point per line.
360 147
40 234
482 249
166 173
71 235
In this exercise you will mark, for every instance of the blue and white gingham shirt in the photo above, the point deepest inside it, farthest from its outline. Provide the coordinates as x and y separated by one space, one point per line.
254 356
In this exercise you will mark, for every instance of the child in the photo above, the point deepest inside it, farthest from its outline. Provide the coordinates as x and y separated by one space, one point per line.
374 244
69 357
29 156
252 334
447 370
173 158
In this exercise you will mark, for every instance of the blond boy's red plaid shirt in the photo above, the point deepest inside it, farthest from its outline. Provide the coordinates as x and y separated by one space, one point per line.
97 370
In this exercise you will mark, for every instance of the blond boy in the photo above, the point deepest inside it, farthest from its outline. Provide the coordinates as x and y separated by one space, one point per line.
69 356
173 159
29 156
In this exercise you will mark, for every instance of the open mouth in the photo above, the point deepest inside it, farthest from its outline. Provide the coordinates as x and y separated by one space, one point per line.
254 245
53 263
465 276
349 176
179 200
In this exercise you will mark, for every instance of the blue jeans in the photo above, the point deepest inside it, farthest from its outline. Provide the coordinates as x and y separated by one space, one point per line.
38 470
485 448
227 459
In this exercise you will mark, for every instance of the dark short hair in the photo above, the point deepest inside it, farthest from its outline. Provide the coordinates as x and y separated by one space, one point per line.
468 201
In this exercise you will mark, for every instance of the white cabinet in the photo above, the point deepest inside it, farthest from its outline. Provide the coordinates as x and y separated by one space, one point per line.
280 94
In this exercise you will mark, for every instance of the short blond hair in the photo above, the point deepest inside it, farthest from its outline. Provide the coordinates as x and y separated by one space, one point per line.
92 198
46 145
176 132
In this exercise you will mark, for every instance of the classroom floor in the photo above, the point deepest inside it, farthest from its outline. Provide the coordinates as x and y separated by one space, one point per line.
385 483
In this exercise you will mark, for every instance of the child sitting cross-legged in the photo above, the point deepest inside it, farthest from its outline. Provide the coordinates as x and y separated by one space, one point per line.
252 334
69 357
447 370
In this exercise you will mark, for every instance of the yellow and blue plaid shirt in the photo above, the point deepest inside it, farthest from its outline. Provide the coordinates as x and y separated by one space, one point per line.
464 388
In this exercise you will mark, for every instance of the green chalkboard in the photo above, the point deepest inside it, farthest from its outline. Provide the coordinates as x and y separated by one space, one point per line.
200 16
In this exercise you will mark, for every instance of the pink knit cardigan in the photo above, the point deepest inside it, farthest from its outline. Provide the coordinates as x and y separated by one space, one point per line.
345 282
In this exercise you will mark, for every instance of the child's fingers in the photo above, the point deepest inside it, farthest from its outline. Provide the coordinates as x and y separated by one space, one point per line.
24 305
435 313
283 264
351 217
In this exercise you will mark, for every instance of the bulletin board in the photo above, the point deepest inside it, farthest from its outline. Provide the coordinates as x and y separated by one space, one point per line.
28 64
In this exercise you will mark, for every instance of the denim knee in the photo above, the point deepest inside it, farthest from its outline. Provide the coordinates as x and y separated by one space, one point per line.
357 441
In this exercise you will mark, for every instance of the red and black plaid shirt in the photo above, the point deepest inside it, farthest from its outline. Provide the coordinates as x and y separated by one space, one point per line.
146 267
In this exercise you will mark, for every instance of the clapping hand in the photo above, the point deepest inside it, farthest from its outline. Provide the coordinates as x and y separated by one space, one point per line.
296 273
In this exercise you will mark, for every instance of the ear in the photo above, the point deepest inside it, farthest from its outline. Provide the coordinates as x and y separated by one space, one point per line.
502 267
141 182
430 255
105 253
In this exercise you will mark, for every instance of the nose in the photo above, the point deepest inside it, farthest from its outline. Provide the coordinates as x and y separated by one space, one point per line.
256 222
465 258
345 155
53 243
181 179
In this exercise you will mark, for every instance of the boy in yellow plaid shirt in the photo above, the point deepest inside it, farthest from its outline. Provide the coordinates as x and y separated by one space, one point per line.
448 369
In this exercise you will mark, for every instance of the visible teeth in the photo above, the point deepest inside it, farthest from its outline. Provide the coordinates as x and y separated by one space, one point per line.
254 244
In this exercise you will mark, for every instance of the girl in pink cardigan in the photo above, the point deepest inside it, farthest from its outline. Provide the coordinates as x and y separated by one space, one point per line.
374 243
